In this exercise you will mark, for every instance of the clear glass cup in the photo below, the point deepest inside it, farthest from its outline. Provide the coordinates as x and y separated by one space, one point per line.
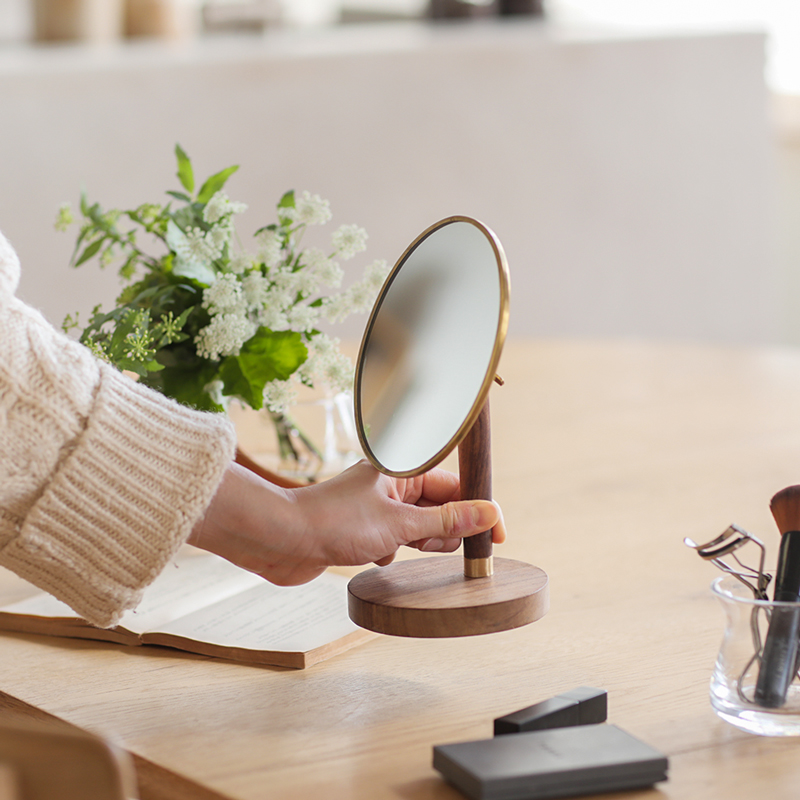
734 693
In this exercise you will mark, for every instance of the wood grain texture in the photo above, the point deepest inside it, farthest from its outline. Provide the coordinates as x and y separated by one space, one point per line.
431 598
605 456
152 781
475 474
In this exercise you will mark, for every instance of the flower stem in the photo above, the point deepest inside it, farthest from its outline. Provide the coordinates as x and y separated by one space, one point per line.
294 446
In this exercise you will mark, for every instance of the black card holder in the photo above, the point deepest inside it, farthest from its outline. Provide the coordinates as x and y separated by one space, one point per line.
561 747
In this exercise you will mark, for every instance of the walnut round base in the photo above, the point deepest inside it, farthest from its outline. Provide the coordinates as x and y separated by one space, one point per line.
431 598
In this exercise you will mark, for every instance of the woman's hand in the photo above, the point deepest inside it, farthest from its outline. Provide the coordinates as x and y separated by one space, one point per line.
289 536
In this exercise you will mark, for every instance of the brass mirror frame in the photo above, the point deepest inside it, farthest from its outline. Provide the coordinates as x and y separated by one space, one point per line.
500 336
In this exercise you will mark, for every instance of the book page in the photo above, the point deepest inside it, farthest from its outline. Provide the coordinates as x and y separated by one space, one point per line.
40 605
268 617
194 579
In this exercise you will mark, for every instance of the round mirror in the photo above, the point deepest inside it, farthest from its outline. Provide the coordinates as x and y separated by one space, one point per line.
431 347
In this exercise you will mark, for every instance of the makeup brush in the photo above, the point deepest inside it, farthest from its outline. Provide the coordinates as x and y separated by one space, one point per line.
778 660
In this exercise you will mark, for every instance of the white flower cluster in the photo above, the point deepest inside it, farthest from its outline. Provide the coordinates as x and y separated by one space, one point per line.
215 392
195 245
358 298
324 269
207 246
271 247
279 395
281 288
240 263
224 336
220 206
349 240
224 295
312 210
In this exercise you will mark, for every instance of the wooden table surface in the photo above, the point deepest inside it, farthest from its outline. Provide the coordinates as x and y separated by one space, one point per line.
606 455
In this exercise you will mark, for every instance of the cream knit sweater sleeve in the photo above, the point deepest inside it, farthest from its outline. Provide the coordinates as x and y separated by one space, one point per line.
101 479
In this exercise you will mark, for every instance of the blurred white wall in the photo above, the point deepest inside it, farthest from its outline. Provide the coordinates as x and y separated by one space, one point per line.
627 174
786 120
779 19
15 22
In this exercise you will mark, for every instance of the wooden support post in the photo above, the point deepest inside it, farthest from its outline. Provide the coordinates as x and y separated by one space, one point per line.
475 468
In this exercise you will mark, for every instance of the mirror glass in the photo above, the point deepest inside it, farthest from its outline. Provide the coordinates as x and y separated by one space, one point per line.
431 346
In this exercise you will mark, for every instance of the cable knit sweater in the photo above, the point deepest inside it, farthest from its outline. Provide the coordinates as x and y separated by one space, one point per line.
101 479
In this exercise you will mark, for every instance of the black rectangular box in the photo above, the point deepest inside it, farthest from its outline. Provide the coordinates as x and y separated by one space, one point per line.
582 706
550 763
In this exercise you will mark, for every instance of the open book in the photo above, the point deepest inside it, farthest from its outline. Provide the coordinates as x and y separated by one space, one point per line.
204 604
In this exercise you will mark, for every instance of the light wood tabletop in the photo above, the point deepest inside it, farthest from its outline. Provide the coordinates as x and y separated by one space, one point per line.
606 455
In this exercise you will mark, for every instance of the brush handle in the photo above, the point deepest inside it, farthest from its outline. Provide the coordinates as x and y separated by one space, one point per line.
778 660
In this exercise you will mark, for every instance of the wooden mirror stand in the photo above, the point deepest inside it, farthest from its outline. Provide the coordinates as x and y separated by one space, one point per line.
441 596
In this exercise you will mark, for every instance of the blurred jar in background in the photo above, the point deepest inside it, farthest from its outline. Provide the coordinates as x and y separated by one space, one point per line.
95 21
454 9
98 21
164 19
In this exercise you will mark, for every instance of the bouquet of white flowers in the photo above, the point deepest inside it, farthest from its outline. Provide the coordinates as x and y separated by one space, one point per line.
203 321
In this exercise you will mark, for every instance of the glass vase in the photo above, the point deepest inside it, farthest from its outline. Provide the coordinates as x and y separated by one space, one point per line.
316 438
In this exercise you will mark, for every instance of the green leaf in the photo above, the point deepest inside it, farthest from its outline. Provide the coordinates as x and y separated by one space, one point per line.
186 385
214 184
70 323
185 172
196 270
128 269
266 356
287 201
184 218
181 321
145 294
180 196
85 231
184 268
141 368
90 251
125 326
175 339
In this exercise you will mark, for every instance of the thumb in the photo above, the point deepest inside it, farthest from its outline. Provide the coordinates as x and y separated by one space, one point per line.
455 520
